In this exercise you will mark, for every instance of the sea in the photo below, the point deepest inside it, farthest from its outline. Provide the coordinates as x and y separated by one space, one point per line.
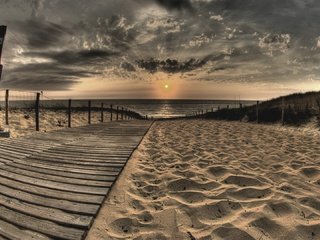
152 108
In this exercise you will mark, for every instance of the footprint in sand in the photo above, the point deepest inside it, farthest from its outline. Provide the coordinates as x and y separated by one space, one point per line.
229 232
152 236
217 210
189 197
311 202
188 184
123 226
145 217
218 171
311 231
250 193
310 172
281 209
185 174
136 205
243 181
270 227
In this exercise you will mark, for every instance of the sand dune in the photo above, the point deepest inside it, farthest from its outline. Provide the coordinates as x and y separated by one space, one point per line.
22 122
217 180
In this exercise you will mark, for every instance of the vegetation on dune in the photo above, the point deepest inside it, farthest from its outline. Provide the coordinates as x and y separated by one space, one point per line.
298 108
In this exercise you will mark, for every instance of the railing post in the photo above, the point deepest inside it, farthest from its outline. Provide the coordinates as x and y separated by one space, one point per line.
102 117
122 113
257 111
111 112
117 113
282 111
7 107
37 106
89 112
126 114
69 113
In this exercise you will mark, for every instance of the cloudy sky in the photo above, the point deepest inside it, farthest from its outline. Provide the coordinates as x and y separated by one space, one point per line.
212 49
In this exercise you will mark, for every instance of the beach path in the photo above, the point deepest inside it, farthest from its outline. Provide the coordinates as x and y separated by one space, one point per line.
53 184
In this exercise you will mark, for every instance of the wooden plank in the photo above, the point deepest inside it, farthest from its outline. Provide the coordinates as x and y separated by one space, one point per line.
62 173
68 206
38 225
70 168
78 165
51 193
85 157
9 231
52 214
56 185
54 178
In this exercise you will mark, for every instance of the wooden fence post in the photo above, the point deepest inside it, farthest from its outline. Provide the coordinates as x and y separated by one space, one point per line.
37 106
102 117
111 112
69 114
117 113
89 112
122 113
282 111
257 111
7 107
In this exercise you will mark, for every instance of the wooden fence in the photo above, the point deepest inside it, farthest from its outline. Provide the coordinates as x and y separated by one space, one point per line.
121 113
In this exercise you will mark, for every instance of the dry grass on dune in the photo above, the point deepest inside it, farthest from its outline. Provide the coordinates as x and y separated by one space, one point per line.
202 179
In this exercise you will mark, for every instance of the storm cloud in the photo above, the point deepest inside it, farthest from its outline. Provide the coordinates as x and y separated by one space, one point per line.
175 4
55 44
171 65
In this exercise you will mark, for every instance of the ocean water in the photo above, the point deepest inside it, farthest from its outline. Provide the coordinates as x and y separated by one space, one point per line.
152 108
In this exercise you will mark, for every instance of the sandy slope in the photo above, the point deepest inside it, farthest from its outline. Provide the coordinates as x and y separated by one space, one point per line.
217 180
22 122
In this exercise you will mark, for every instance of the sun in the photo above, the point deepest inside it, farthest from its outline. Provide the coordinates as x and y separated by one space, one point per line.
166 86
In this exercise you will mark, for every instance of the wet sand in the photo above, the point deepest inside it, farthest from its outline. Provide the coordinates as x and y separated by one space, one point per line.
197 179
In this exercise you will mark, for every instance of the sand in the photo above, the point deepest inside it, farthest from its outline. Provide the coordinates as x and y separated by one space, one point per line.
22 122
197 179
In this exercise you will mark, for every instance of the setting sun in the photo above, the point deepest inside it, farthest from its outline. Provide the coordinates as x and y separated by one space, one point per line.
166 86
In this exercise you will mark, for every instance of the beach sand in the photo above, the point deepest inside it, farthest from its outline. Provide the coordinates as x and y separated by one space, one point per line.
197 179
22 122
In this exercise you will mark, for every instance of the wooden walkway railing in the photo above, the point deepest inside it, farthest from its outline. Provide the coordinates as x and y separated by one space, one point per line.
52 185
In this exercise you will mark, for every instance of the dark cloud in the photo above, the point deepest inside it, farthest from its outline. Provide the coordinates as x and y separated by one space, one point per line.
92 57
175 4
42 34
44 76
128 66
171 65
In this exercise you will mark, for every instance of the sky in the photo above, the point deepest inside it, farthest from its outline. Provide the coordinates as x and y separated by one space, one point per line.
200 49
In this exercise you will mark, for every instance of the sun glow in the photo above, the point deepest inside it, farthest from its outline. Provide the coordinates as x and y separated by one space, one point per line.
166 86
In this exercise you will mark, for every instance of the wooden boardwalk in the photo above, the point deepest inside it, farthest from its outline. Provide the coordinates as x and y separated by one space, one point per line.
52 185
